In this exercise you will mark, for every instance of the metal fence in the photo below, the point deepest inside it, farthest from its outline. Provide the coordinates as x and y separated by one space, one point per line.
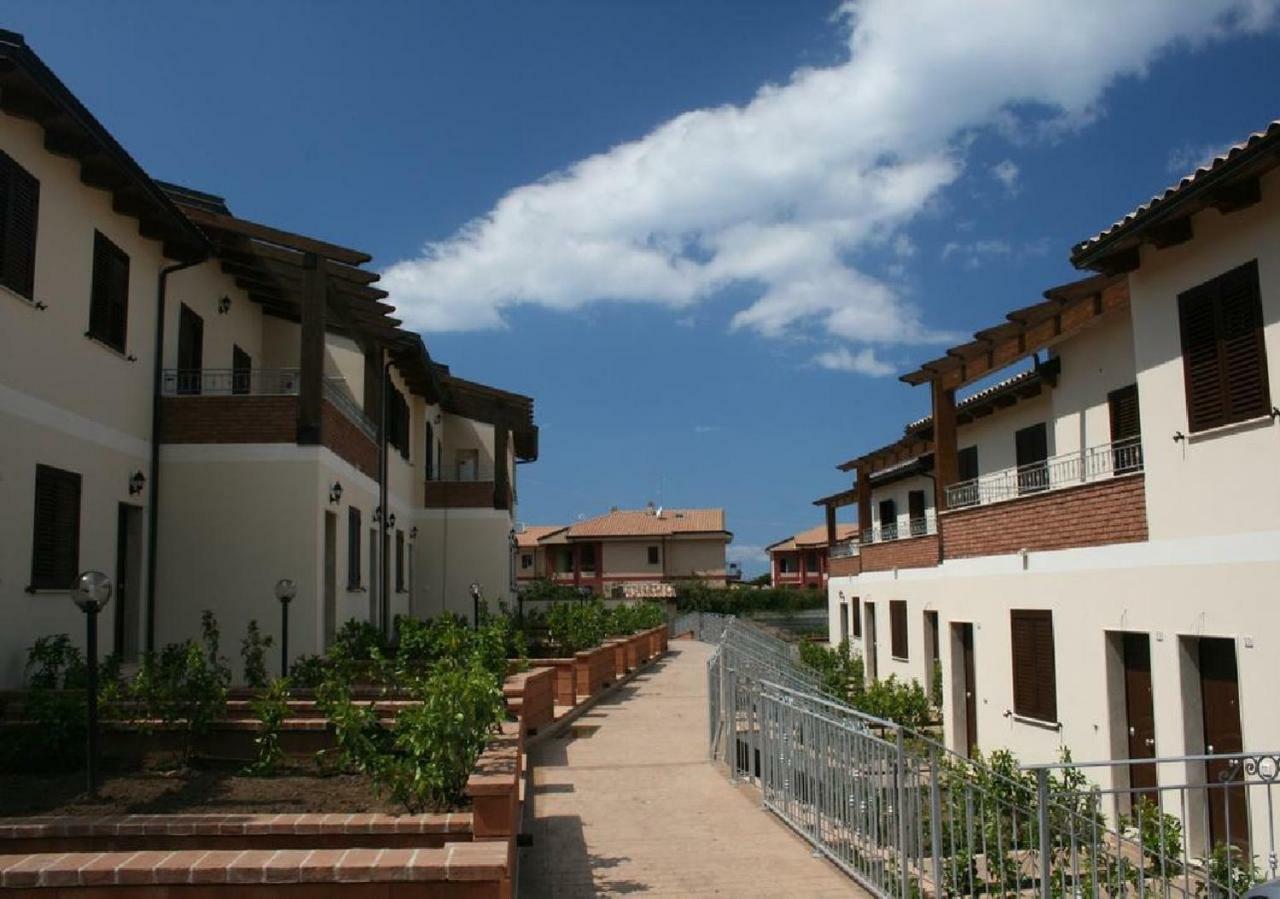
907 818
1065 470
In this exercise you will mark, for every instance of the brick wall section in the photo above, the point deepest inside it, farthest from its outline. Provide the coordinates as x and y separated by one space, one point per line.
1110 511
851 565
459 495
914 552
349 442
228 419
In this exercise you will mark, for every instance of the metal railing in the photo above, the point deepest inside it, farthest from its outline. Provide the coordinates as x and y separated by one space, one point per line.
1066 470
263 382
464 474
845 549
906 818
916 527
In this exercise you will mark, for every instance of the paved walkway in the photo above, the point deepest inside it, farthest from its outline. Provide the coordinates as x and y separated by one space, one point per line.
627 802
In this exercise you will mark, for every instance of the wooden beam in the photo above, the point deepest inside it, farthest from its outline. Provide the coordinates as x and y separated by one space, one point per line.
299 242
1171 233
863 485
311 355
1234 197
946 463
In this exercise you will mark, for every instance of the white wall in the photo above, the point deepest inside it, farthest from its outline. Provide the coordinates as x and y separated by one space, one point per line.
458 547
1227 480
200 288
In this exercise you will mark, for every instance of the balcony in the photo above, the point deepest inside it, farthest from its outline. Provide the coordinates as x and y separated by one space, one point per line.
1086 466
845 549
227 382
467 486
916 527
256 406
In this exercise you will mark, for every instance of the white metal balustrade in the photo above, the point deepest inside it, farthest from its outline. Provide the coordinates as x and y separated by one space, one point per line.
845 549
916 527
1084 466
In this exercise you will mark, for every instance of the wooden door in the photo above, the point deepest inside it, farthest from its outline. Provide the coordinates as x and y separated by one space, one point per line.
190 350
869 639
970 689
1139 711
1220 701
888 519
1032 448
128 588
330 577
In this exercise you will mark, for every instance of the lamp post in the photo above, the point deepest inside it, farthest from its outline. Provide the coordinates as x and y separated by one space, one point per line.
92 593
286 590
475 605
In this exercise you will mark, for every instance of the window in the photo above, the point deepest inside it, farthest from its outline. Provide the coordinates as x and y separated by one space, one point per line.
109 298
968 463
564 560
526 560
587 557
653 555
785 565
1035 692
888 519
844 622
241 371
898 643
429 447
19 209
1224 360
856 613
354 536
1032 448
399 561
915 513
811 564
397 419
55 532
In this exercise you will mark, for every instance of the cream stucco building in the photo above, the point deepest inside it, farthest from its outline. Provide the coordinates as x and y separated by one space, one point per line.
1087 539
200 405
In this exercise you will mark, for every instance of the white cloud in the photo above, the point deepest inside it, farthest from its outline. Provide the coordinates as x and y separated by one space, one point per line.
863 362
971 254
779 194
745 553
1187 158
1006 172
705 429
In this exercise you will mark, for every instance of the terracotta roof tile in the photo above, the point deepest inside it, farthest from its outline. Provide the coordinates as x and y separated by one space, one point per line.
533 533
646 523
813 538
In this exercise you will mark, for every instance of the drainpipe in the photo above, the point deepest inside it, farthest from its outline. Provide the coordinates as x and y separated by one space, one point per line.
385 601
153 503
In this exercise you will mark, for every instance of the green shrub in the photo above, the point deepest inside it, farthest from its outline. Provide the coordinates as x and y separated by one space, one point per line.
698 597
897 701
307 672
253 652
54 704
650 614
621 621
55 663
1230 872
358 641
576 626
841 670
271 707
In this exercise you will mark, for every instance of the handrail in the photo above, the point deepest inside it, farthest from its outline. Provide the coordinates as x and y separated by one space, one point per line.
916 527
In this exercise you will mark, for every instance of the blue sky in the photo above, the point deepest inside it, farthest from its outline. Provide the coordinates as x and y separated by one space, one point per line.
710 309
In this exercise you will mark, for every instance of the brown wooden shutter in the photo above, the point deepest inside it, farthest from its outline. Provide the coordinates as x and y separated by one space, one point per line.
353 547
109 300
967 460
19 207
855 609
899 643
1123 405
1244 355
1224 359
55 544
1035 693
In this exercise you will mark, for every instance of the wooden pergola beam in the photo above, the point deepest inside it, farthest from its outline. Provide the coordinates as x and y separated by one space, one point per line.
299 242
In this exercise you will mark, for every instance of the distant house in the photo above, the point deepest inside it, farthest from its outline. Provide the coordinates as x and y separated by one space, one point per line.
627 546
801 560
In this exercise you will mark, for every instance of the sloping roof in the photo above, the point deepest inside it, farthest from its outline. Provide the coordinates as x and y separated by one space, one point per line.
646 523
813 538
1241 162
532 533
30 89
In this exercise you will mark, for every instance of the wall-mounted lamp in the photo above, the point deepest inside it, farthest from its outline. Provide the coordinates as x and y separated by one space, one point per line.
224 305
137 481
413 532
1275 412
439 418
377 514
335 493
1178 436
391 521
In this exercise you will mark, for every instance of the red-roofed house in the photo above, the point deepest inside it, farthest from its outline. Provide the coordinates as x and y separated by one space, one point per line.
801 559
627 546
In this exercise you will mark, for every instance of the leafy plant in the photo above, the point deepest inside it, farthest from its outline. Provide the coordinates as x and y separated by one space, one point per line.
53 707
698 597
53 663
1159 835
358 641
307 672
253 651
271 707
1230 872
576 626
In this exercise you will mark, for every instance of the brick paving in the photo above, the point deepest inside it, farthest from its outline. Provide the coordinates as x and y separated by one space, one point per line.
626 801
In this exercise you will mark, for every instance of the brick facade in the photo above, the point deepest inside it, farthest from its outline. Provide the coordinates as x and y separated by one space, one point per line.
341 435
914 552
845 567
229 419
1110 511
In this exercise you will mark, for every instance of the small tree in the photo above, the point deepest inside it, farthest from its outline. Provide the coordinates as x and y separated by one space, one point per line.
253 652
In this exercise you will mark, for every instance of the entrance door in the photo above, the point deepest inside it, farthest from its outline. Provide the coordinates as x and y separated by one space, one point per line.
869 638
1139 711
128 590
375 576
330 577
1032 448
1220 700
933 658
963 633
468 462
190 350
